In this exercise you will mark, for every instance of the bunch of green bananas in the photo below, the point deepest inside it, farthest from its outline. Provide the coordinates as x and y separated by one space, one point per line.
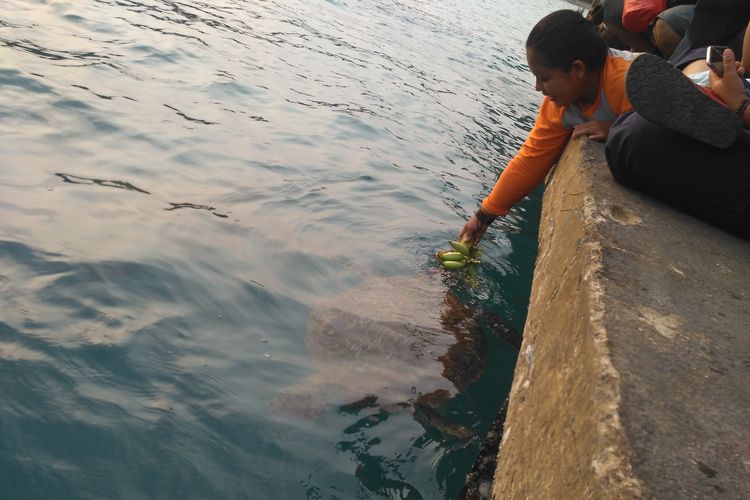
462 255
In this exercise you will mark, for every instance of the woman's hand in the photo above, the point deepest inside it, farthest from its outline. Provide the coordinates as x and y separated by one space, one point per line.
729 88
475 228
597 130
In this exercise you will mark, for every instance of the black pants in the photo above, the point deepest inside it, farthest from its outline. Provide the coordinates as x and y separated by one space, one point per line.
710 183
715 22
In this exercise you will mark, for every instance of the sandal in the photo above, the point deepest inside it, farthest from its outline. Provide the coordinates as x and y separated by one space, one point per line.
660 93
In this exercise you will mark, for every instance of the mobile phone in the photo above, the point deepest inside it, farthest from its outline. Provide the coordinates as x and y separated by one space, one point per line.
715 58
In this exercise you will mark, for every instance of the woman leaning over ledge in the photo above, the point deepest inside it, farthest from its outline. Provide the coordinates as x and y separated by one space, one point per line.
685 145
583 83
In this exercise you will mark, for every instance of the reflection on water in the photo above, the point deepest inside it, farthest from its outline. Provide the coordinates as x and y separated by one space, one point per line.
340 142
194 206
188 118
75 179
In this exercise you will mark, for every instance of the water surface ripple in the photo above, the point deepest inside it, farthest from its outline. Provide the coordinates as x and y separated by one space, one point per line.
180 183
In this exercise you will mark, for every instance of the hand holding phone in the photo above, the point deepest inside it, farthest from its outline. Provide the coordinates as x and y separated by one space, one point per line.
729 87
715 59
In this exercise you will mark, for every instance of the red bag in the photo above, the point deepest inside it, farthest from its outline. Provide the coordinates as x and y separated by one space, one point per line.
637 14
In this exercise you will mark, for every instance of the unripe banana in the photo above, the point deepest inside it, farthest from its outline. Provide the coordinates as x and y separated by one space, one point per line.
461 247
448 255
453 264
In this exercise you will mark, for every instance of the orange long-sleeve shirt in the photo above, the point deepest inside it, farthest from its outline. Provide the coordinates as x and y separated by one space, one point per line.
552 129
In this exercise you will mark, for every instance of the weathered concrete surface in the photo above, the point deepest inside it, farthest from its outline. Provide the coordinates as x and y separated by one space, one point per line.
633 379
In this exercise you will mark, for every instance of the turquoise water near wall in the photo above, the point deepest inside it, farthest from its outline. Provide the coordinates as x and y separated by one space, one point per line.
180 182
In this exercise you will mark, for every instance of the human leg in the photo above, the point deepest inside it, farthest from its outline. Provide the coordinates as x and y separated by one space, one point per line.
710 183
715 22
669 27
638 42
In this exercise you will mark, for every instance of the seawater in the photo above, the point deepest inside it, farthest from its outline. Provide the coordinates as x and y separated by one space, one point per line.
181 181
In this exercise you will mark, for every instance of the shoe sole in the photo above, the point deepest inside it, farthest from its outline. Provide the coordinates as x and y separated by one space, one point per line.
660 93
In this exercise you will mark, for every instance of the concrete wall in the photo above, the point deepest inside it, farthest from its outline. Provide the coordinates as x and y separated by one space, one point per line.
633 380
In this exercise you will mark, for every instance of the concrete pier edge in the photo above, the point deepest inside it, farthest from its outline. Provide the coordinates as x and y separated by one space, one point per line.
633 380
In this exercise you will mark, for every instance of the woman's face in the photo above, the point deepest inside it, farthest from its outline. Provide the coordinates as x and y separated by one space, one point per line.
561 87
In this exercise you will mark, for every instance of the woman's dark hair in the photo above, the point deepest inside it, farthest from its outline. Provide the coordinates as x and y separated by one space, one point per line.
596 15
564 36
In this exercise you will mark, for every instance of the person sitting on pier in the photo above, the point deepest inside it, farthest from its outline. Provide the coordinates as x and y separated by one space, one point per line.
687 146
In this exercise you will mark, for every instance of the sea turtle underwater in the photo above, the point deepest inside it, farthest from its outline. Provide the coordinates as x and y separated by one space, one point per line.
394 343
